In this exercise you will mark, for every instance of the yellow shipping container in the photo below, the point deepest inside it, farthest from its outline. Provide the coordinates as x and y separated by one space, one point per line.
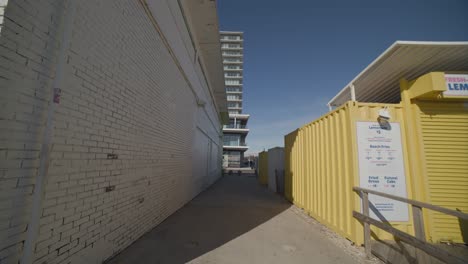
321 167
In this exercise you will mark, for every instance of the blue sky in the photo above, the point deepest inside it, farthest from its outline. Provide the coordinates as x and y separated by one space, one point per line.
299 54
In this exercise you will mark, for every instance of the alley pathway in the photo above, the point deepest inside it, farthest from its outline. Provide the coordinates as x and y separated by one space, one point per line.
236 221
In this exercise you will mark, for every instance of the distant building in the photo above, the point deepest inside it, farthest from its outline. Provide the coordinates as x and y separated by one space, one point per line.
236 131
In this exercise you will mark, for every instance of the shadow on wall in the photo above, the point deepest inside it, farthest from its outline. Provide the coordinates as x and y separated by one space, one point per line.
289 142
230 208
463 228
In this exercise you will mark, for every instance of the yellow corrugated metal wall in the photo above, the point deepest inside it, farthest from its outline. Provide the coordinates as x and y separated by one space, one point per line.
321 167
263 167
444 135
438 137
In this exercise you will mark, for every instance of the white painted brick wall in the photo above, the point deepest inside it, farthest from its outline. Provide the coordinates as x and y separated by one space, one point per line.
123 94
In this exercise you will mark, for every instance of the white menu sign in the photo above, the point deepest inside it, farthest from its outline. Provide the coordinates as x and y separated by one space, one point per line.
381 168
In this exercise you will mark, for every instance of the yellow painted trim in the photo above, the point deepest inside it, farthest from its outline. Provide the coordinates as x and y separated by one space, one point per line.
414 150
430 85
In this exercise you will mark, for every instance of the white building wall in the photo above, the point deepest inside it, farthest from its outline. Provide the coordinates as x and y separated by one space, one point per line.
123 94
275 168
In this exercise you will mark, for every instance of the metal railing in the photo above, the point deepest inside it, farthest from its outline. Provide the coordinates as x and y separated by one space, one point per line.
418 241
229 144
235 126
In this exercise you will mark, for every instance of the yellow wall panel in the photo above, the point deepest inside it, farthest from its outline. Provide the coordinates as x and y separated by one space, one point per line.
444 136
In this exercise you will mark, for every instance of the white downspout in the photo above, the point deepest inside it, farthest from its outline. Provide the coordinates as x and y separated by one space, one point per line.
33 225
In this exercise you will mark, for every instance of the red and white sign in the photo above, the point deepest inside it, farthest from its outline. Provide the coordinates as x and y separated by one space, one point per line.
457 84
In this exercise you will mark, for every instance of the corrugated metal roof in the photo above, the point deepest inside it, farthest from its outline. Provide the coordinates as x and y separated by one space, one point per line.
379 82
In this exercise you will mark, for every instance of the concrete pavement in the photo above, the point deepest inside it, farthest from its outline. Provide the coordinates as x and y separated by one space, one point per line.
236 221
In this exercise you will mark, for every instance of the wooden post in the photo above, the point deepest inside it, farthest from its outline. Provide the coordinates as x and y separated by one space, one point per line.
367 237
418 222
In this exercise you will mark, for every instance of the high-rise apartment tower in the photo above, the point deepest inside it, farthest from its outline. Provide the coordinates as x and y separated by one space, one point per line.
234 145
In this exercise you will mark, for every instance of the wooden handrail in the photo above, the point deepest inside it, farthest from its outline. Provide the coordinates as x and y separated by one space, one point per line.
416 203
419 241
423 245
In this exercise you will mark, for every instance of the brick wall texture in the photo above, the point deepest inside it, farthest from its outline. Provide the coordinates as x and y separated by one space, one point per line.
130 145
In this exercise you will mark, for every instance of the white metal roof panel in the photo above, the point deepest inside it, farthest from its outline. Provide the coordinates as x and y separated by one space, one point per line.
379 82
